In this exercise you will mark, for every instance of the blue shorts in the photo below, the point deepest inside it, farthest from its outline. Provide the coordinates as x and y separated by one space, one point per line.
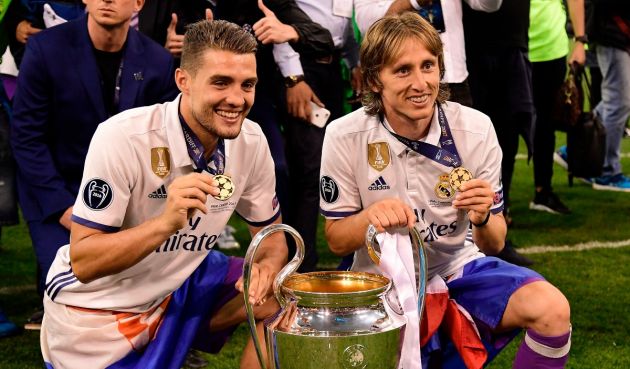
486 285
484 289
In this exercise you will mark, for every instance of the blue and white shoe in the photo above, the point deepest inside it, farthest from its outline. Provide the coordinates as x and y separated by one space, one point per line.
560 157
617 182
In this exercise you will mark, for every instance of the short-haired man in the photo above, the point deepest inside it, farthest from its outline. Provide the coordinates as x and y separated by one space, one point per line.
139 282
394 163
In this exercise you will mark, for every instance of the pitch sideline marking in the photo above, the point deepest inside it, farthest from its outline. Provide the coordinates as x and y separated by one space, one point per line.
13 290
524 156
576 247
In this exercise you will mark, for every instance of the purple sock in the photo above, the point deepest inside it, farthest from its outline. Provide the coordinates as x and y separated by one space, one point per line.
540 352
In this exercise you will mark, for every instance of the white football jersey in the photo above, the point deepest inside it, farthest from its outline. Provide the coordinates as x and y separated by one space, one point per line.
133 158
363 163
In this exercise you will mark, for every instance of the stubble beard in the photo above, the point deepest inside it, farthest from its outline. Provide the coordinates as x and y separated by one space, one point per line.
210 127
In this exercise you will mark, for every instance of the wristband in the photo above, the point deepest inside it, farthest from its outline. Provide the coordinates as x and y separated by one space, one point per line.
485 221
581 39
414 4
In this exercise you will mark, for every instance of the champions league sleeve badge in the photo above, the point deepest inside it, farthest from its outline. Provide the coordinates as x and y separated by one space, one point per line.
458 177
226 187
328 189
97 194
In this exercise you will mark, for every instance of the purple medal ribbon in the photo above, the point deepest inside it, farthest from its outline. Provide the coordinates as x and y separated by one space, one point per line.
445 154
195 151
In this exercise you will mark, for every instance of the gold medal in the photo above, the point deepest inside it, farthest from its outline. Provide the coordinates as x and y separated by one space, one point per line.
458 177
226 187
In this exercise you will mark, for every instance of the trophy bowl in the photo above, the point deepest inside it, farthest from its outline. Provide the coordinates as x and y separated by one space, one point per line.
335 288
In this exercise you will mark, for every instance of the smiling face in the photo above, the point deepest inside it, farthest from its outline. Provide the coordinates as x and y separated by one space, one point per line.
409 87
217 97
402 61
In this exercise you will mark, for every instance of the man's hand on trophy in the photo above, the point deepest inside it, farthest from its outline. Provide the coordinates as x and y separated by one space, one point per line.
286 318
390 213
260 288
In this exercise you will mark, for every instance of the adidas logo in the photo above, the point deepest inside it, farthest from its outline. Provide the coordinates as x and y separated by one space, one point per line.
160 193
379 185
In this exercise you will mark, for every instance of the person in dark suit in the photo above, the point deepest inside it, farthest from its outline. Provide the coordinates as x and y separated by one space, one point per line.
73 77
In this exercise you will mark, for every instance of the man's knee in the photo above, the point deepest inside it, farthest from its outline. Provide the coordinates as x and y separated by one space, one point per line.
557 310
541 307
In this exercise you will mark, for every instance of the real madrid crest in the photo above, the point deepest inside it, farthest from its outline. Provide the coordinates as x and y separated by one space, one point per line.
443 189
226 187
378 155
160 161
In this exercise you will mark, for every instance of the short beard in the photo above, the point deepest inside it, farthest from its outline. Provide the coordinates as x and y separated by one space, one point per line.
212 129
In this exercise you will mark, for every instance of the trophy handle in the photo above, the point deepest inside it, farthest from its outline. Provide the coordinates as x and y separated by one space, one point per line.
419 250
277 283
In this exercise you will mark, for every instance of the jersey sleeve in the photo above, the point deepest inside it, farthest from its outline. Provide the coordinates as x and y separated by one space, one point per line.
107 180
339 195
258 204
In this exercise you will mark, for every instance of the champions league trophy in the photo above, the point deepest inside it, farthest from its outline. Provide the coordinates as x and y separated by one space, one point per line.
97 194
329 319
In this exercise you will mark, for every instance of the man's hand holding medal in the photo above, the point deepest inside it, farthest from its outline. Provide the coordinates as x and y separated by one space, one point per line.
476 196
186 195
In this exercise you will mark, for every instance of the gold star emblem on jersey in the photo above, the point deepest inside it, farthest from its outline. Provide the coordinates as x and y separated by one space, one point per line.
226 187
458 177
378 155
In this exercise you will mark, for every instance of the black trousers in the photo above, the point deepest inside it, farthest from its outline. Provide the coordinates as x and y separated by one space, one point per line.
547 77
460 93
8 187
500 84
304 151
266 111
